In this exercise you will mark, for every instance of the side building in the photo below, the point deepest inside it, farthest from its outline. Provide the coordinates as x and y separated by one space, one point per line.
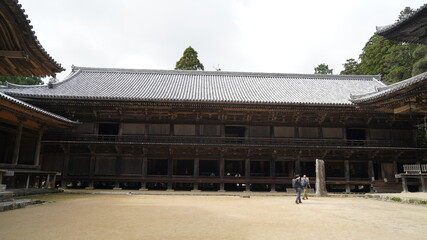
221 131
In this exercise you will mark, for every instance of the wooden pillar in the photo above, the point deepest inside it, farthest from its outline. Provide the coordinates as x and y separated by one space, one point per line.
395 171
54 180
371 173
17 146
47 181
64 174
38 147
297 166
170 169
144 173
347 175
404 185
423 184
196 173
248 173
91 167
28 181
221 169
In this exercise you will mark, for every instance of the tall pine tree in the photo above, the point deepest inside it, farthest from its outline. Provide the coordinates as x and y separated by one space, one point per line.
189 61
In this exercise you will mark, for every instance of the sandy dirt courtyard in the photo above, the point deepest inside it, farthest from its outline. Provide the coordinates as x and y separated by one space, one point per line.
76 216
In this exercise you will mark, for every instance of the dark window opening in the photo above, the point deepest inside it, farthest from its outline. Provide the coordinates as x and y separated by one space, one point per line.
234 168
108 129
359 170
209 168
183 167
309 169
333 169
157 167
283 169
260 168
235 131
7 141
356 137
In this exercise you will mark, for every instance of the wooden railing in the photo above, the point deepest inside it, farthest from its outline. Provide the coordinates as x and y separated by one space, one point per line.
414 168
206 140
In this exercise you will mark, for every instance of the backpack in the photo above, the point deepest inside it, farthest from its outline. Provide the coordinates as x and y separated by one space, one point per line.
297 183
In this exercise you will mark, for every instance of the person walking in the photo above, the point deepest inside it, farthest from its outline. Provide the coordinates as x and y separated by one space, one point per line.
297 184
305 182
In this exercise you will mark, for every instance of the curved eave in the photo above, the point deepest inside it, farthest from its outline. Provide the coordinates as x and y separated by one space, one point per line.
91 98
38 112
393 90
411 29
22 54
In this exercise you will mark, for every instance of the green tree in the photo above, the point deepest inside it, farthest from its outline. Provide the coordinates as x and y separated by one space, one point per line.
350 67
21 80
322 69
420 57
405 12
189 61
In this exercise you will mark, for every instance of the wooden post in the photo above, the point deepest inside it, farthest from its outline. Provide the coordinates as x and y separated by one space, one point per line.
347 175
47 182
28 182
38 147
144 173
423 184
66 162
17 146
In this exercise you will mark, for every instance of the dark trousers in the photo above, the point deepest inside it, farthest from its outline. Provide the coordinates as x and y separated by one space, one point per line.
298 199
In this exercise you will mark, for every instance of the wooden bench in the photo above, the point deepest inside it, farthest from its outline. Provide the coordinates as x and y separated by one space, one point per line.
412 168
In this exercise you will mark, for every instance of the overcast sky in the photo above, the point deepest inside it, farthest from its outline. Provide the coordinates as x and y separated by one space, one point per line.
235 35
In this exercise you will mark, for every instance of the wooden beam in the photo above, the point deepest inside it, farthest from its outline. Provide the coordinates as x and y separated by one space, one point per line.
402 109
13 54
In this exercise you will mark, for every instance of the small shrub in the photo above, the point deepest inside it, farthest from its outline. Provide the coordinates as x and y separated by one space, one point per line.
396 199
422 202
369 196
411 201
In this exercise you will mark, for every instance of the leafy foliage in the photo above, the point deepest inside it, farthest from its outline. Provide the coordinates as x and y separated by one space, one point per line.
394 61
21 80
322 69
350 67
189 61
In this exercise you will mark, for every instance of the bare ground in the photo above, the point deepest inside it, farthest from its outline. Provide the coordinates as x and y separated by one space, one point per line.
76 216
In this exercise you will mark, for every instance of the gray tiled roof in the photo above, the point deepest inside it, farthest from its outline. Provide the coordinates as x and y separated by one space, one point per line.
390 89
201 86
35 109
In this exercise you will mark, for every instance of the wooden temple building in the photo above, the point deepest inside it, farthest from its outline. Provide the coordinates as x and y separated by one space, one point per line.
21 124
192 130
200 131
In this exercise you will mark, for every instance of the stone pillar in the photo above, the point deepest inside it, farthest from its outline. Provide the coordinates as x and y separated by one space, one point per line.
195 187
221 187
404 185
18 142
38 147
347 175
54 180
320 179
